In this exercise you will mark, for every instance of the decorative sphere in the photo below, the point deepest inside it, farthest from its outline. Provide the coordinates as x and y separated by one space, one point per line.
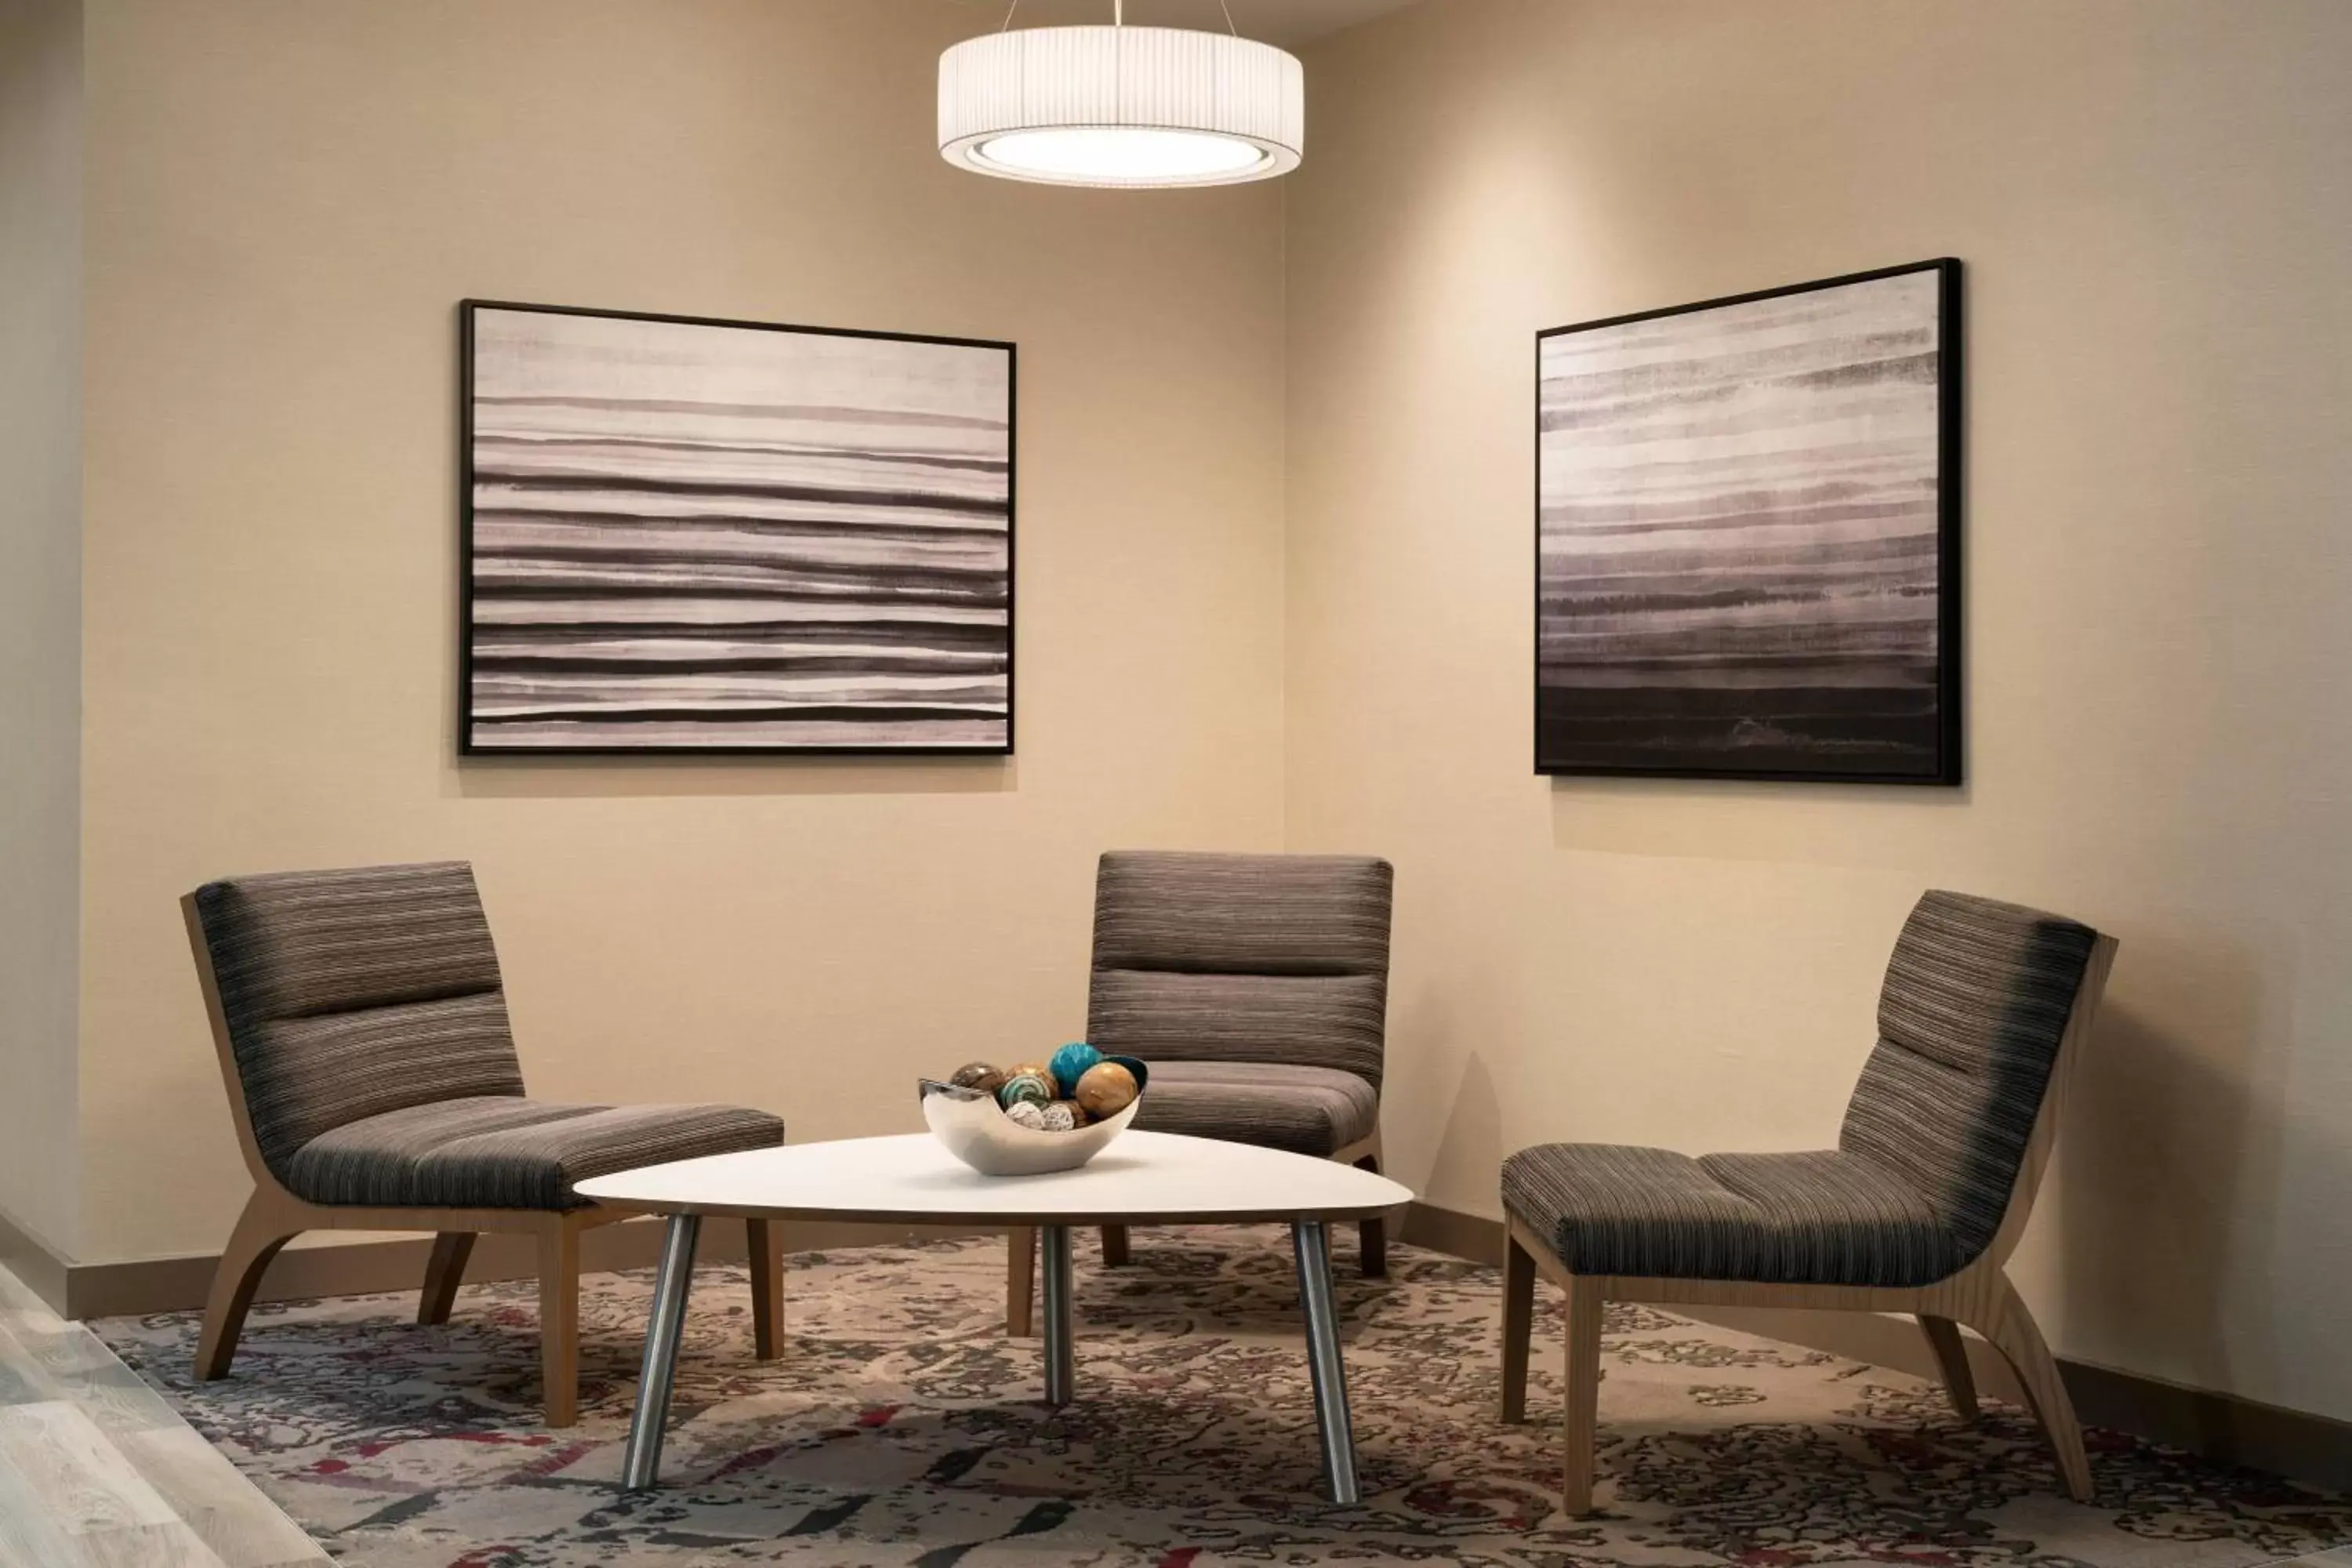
1026 1113
1070 1063
979 1076
1106 1089
1078 1117
1058 1117
1026 1087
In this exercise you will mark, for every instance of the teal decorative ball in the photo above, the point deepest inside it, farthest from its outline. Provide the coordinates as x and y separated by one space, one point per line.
1033 1088
1070 1063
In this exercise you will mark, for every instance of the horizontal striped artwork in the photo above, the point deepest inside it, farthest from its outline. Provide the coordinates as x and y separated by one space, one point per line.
712 536
1747 536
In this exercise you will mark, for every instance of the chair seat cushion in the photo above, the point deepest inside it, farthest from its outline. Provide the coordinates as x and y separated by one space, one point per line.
1307 1110
509 1152
1825 1218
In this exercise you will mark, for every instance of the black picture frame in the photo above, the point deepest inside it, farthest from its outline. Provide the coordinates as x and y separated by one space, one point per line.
468 746
1945 768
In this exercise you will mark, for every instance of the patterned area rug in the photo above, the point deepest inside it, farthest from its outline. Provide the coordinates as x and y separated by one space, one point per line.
902 1427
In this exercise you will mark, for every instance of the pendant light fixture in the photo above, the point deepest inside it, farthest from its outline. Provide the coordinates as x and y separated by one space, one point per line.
1121 106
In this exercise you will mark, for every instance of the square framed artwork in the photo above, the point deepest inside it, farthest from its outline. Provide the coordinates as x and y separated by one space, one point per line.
687 535
1747 535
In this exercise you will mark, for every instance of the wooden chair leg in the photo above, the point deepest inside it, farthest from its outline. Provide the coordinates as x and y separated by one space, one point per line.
1372 1235
2005 1322
443 1272
763 1245
1114 1240
1019 1282
559 1321
260 1231
1519 1327
1952 1361
1580 1426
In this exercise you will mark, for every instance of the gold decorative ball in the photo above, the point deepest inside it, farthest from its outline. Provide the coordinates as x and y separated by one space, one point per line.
1106 1089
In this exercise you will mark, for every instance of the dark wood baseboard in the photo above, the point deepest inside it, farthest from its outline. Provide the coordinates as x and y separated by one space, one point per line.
33 1261
2316 1449
359 1267
1453 1233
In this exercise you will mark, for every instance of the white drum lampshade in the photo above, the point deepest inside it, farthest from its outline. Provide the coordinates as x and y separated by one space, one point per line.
1137 106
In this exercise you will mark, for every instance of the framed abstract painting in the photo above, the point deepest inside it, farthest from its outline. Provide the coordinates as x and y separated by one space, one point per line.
1747 535
684 536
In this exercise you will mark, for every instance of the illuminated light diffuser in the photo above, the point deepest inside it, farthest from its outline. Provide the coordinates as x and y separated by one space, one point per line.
1122 107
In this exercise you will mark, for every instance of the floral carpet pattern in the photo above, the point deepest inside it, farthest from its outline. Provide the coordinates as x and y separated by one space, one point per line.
902 1426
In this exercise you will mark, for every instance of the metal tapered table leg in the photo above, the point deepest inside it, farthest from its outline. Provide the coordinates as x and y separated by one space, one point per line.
1311 1240
1061 1354
642 1460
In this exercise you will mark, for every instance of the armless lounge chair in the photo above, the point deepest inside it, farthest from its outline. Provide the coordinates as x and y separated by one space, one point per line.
1256 986
362 1033
1982 1016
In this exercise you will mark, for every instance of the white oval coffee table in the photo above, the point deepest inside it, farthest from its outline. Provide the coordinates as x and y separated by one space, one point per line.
1144 1178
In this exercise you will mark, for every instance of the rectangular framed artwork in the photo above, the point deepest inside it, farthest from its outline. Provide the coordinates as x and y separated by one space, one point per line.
684 536
1747 535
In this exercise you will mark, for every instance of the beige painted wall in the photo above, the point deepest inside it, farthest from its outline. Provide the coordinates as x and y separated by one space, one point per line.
41 607
286 199
2153 200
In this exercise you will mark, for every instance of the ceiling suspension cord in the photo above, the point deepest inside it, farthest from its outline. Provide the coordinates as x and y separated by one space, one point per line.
1119 15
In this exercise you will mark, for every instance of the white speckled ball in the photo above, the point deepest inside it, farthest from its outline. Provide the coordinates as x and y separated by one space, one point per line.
1026 1113
1057 1117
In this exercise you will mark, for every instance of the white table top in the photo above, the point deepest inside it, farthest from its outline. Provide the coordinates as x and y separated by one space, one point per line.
1142 1178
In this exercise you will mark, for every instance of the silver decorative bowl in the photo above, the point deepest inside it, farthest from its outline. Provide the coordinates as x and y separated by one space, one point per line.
976 1130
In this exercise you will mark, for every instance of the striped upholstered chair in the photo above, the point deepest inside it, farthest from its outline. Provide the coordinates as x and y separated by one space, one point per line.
1982 1014
362 1033
1257 987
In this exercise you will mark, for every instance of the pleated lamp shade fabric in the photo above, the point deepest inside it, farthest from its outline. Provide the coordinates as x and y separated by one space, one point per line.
1122 107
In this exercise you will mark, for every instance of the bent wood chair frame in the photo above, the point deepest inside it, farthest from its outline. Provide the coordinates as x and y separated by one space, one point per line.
1020 1246
1979 1296
274 1216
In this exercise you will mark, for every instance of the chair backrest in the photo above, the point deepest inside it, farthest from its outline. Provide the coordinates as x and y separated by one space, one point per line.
1981 1004
1266 958
339 994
